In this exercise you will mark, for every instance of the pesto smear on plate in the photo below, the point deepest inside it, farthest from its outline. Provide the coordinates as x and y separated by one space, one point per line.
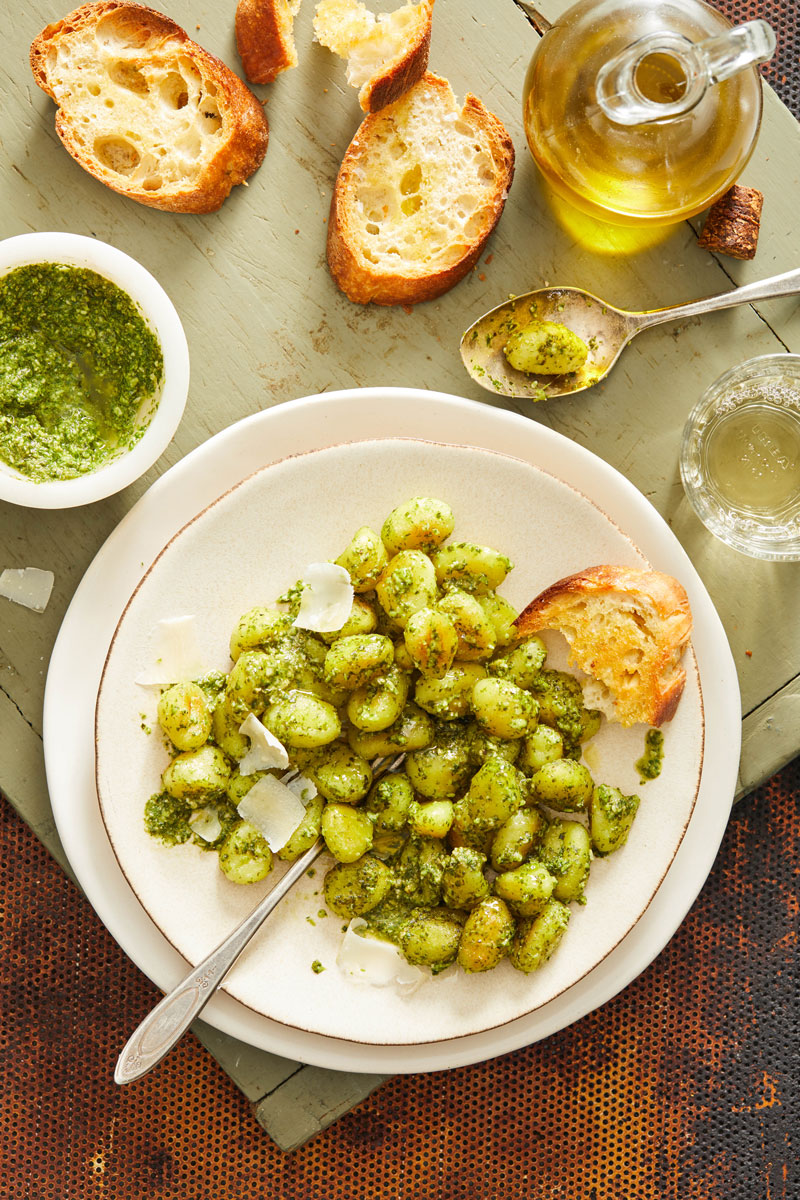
649 765
77 360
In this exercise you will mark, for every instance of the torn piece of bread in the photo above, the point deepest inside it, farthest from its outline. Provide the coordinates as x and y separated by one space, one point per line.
146 110
420 189
265 37
627 629
386 54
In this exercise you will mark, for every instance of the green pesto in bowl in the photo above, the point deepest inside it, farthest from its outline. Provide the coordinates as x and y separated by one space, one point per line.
78 365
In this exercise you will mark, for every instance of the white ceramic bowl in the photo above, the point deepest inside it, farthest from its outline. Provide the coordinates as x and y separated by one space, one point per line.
160 314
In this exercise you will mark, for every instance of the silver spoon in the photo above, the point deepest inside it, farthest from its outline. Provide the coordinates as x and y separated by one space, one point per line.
170 1019
173 1015
605 330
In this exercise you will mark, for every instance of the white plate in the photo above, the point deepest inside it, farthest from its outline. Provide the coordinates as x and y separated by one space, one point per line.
248 548
201 478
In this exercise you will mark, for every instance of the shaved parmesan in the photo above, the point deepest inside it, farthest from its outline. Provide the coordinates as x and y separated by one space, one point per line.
265 749
273 809
371 961
206 824
28 586
176 654
303 787
326 598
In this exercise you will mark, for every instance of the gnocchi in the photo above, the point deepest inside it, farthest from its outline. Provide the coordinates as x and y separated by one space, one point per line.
473 851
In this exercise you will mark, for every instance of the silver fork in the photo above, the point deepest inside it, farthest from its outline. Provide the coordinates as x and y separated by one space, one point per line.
173 1015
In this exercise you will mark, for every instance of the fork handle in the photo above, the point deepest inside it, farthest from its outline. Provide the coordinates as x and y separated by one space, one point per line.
170 1019
787 284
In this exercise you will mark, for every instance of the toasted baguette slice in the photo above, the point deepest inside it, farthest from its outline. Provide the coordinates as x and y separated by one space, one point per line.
265 37
386 54
626 629
146 110
420 189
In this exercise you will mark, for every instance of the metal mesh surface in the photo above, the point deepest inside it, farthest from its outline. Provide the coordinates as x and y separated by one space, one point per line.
783 72
684 1087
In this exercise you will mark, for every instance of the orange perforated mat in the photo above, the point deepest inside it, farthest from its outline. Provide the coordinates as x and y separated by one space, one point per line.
684 1087
783 72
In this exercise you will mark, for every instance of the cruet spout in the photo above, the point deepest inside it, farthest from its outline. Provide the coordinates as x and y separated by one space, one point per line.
661 76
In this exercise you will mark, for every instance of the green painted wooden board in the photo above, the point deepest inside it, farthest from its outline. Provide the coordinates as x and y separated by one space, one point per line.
265 324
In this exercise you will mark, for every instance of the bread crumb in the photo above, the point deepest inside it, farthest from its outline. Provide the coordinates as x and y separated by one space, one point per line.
488 259
749 653
482 277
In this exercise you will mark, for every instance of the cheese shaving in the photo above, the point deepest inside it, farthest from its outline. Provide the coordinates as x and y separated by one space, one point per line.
265 749
326 598
176 654
28 586
371 961
273 809
303 787
206 824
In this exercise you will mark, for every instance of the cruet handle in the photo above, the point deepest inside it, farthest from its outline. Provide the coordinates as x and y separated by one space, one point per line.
744 46
699 65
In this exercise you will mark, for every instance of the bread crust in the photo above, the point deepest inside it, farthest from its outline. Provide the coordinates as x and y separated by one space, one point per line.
399 75
245 129
363 282
663 679
263 39
400 68
391 83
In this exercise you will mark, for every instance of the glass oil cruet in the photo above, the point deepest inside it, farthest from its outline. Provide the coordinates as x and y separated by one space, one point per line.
644 111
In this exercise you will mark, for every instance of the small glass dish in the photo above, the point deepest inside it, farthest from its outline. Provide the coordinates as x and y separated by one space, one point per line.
740 457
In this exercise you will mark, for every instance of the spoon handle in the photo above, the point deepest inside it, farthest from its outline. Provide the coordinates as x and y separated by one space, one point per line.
170 1019
787 284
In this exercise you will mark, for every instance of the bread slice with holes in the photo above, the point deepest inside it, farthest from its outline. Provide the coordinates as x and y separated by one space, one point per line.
421 187
146 110
627 629
265 37
386 53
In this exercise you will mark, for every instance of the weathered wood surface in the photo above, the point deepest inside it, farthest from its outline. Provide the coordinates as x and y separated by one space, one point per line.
265 324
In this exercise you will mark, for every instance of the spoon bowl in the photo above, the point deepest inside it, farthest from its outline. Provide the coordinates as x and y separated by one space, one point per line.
606 330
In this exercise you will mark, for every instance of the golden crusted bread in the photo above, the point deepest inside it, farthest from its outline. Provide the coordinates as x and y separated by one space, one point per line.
420 189
627 629
265 37
146 110
386 54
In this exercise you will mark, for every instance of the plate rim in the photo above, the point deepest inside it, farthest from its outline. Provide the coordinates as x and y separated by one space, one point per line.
429 415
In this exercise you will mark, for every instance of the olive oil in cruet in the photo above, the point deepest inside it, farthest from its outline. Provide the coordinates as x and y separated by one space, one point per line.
644 111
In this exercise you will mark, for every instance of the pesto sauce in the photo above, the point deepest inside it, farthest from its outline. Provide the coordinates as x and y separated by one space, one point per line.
561 704
389 918
76 362
167 819
649 765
